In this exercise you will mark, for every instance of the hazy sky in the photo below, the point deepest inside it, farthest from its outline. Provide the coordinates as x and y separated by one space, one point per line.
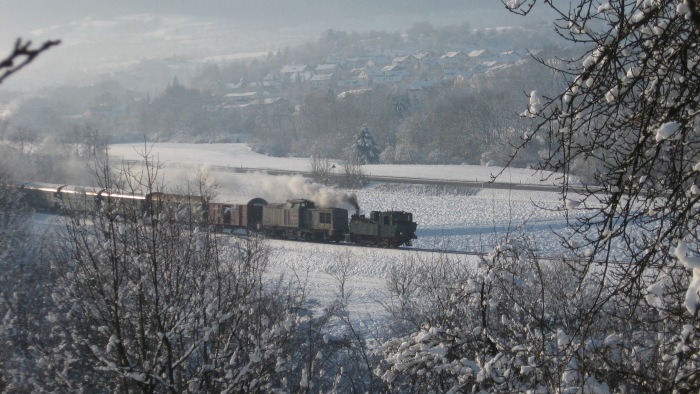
20 16
101 35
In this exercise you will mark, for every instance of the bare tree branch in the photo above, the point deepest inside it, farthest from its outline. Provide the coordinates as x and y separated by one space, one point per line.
21 55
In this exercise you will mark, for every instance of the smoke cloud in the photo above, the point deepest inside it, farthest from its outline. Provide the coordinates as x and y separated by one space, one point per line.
282 188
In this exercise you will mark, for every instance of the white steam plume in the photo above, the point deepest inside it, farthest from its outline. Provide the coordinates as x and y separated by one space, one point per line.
282 188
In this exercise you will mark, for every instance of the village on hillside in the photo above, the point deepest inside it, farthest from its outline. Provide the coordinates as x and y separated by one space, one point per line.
418 71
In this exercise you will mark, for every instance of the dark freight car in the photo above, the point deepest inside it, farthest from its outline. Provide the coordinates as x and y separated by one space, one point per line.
80 198
177 207
43 197
230 216
123 206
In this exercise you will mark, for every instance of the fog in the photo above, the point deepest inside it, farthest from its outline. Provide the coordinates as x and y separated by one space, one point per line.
102 37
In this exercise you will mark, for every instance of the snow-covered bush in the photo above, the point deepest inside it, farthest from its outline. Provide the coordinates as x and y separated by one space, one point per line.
406 154
517 324
23 284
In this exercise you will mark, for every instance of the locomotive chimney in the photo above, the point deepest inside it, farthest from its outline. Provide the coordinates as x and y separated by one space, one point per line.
352 199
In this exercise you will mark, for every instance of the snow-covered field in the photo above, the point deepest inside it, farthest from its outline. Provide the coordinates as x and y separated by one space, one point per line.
450 218
240 155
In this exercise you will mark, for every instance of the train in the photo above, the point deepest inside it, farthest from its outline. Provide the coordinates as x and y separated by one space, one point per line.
293 219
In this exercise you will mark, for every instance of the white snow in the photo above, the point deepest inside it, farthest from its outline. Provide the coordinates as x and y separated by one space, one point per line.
691 263
667 130
535 102
514 4
682 8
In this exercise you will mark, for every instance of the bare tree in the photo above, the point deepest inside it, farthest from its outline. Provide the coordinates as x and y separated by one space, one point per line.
322 170
157 303
352 176
24 139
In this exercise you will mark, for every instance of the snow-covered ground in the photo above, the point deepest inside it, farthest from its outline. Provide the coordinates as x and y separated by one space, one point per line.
240 155
450 218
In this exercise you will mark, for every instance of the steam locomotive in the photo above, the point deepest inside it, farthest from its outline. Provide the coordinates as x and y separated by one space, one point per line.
298 219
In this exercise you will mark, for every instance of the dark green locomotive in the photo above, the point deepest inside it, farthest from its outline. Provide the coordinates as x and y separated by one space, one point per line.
387 228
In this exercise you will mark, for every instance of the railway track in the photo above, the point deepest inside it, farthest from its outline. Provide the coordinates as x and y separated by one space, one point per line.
42 219
443 251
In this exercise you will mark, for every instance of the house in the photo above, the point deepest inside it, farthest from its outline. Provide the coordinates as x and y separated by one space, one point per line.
395 69
498 67
270 84
483 67
326 69
480 55
294 69
508 57
237 99
453 59
424 56
368 74
456 74
266 86
353 83
424 84
234 85
462 79
426 60
321 81
408 62
295 73
387 79
377 61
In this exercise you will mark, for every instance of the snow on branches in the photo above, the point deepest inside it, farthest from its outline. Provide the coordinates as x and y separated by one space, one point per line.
631 113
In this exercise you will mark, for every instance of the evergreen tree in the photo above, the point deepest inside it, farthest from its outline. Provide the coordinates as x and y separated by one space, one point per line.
366 148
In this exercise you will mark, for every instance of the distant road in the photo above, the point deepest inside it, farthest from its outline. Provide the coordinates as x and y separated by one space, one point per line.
384 179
